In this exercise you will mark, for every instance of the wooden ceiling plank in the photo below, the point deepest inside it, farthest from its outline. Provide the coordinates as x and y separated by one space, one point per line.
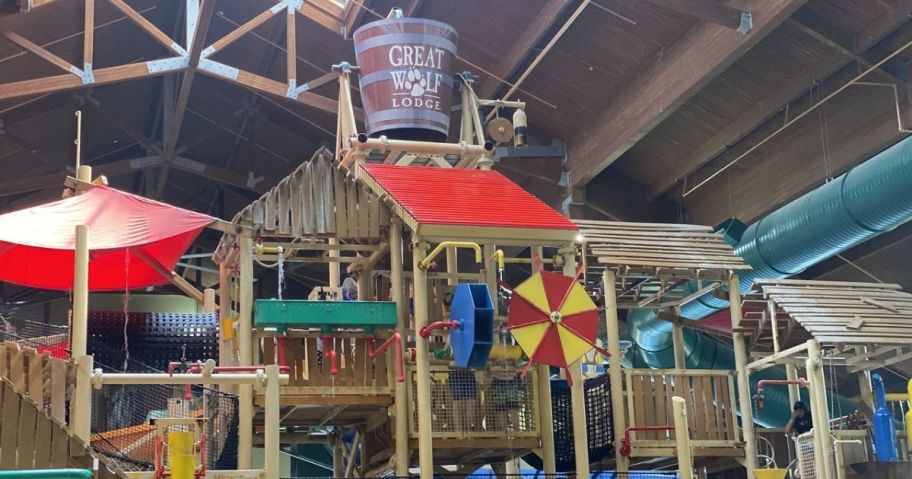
774 103
150 28
41 52
710 11
683 70
520 50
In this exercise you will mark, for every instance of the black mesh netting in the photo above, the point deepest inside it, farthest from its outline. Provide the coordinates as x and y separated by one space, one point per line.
121 414
598 420
33 334
146 343
153 339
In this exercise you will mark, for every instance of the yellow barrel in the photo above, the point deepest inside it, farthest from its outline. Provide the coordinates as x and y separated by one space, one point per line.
181 458
770 473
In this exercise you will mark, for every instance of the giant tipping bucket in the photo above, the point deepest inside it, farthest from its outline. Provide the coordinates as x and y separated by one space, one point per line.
406 80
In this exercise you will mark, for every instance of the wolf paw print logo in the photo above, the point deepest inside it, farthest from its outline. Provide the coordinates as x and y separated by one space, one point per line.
415 82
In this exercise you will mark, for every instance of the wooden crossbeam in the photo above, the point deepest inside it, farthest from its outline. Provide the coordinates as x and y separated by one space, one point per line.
103 76
710 11
204 19
88 38
794 88
521 48
41 52
685 68
150 28
239 32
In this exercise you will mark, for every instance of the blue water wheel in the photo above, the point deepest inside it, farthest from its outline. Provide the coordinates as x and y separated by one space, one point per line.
472 339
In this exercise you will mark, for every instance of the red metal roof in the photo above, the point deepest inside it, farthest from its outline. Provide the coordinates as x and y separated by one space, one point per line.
454 196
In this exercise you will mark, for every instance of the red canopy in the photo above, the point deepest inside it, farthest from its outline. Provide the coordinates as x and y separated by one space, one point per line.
126 233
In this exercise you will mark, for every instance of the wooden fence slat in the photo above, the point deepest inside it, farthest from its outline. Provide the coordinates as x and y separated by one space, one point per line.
329 173
17 369
339 189
363 212
718 383
9 431
709 428
284 206
60 444
724 404
319 195
4 361
269 350
43 437
270 224
308 197
58 389
374 215
297 202
351 205
36 377
313 366
661 418
381 367
26 441
700 418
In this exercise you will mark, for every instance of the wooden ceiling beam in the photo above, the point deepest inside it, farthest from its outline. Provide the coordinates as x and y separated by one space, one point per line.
522 48
41 52
351 16
684 69
711 11
220 175
103 76
795 87
196 38
161 37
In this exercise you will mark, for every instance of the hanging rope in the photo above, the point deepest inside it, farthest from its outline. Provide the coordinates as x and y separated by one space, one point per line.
126 309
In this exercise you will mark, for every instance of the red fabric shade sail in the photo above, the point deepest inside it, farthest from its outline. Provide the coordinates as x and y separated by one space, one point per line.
126 234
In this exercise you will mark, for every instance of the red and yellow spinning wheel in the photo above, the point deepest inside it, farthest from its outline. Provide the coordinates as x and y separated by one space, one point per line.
553 319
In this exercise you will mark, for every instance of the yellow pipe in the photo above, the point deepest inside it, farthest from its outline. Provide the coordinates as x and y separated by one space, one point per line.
499 254
898 396
260 249
423 264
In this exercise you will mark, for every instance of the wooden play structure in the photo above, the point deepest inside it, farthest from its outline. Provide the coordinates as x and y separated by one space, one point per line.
645 266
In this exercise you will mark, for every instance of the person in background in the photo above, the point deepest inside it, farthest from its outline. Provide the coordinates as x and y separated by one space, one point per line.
350 288
801 421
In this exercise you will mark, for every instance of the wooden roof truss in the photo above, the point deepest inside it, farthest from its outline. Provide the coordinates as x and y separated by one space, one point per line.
652 261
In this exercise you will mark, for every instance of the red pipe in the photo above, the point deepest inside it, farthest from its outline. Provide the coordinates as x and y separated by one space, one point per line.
330 353
159 458
400 363
625 443
201 472
426 331
280 350
801 382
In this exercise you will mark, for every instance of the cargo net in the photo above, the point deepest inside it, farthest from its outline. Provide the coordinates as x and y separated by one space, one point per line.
120 420
480 403
598 423
804 446
29 333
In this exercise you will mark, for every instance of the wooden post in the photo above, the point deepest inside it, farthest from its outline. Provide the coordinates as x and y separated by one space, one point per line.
791 373
209 305
682 438
80 293
452 266
545 407
823 445
271 430
490 272
677 337
402 312
744 395
622 463
224 309
578 393
338 456
866 389
81 405
425 443
335 272
245 347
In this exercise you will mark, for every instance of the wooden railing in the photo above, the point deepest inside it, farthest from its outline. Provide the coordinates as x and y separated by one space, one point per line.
709 396
34 397
310 367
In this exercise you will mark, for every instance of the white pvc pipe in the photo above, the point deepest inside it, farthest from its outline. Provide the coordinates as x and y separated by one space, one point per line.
99 378
682 438
272 422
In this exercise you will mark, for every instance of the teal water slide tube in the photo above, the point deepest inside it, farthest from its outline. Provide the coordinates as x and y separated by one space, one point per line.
870 199
47 474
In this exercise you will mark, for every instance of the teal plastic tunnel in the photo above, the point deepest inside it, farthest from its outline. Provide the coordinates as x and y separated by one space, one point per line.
864 202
